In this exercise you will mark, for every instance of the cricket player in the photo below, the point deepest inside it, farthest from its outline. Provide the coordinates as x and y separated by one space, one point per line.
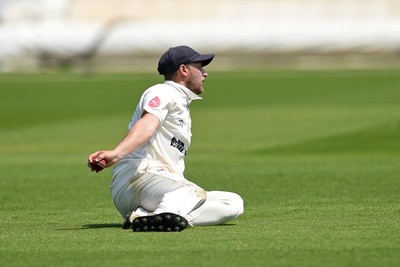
148 185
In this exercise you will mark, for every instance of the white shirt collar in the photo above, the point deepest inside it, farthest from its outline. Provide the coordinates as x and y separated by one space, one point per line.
189 94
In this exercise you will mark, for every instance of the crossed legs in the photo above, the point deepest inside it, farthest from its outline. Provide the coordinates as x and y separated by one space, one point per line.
155 194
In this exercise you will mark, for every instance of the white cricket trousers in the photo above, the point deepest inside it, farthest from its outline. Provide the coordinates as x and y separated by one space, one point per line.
157 193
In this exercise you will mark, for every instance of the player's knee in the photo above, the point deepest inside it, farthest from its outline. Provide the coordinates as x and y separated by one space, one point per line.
238 204
235 203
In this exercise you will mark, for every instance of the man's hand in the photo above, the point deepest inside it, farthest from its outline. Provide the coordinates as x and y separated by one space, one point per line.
97 166
99 160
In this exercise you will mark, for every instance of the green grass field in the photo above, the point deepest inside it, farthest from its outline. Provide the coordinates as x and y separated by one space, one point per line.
315 155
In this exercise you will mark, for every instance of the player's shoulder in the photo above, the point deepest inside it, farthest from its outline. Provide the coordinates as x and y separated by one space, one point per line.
162 92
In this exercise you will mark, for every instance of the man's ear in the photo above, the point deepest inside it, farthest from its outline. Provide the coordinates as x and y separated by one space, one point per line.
183 70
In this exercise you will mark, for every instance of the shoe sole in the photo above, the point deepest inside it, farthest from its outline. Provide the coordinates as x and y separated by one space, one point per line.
126 224
163 222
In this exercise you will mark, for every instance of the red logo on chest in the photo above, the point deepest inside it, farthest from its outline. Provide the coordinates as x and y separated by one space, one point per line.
155 102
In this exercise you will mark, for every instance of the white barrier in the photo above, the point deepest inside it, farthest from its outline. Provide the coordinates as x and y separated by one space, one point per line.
66 28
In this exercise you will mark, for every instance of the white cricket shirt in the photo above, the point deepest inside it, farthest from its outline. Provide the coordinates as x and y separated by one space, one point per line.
167 148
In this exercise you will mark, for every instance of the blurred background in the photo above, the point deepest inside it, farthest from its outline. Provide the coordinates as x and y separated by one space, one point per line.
130 35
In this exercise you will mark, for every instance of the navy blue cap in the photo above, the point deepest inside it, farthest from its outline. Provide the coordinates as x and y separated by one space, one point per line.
175 56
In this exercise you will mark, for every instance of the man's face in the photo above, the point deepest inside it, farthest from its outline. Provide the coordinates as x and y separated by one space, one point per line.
196 77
